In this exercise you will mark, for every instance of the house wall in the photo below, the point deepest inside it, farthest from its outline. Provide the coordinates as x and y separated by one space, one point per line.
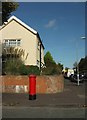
38 52
28 40
0 44
42 54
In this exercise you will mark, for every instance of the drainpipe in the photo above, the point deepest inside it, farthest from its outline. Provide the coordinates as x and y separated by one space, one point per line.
40 56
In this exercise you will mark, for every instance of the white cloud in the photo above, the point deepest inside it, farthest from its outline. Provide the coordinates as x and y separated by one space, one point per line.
51 23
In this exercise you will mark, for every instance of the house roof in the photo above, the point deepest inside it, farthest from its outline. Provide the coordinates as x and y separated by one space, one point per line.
24 25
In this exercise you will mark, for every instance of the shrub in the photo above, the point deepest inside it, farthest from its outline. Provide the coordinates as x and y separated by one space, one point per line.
16 67
23 70
51 70
27 70
12 66
12 60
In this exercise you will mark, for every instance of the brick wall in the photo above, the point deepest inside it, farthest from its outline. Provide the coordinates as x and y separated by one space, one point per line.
44 84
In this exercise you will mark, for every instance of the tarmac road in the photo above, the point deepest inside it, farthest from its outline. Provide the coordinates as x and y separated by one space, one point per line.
43 112
68 104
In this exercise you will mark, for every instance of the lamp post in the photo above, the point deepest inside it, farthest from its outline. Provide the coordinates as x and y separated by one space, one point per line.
77 65
78 73
83 37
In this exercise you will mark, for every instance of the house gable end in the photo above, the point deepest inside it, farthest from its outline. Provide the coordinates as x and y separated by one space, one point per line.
13 18
21 23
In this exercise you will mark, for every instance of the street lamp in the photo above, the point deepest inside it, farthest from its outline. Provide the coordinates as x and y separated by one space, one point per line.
77 65
83 37
78 73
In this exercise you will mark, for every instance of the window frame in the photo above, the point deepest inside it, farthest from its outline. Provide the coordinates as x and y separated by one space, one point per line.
12 42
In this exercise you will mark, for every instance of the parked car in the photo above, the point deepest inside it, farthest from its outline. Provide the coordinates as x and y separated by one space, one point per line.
65 75
85 77
73 78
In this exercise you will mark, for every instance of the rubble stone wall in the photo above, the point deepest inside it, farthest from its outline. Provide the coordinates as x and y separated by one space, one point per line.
20 84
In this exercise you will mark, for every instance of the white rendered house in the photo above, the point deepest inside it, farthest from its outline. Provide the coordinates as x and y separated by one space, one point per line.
16 33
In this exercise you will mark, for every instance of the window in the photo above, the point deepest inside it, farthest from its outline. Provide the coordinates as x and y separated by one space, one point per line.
38 62
18 42
6 42
38 46
12 43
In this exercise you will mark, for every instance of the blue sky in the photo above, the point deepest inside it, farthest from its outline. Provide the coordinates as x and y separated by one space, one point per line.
60 25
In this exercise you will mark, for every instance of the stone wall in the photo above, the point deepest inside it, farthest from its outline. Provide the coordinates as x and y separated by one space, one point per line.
20 84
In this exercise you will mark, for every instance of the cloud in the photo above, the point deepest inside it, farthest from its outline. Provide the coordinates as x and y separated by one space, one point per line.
51 23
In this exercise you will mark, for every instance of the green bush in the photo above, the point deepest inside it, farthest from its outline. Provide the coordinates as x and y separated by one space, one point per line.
27 70
16 67
12 66
12 60
51 70
23 70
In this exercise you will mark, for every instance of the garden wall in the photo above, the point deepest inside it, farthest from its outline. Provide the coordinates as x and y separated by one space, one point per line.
20 84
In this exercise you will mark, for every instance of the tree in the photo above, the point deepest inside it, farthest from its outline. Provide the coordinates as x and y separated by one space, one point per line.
75 65
7 8
51 67
83 65
48 59
60 66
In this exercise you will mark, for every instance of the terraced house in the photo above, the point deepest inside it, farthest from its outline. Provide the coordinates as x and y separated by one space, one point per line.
16 33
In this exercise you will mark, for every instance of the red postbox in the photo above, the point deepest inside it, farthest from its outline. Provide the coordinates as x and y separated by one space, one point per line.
32 87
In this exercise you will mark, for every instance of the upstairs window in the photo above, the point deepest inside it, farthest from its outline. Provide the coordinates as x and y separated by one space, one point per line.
12 43
6 43
18 42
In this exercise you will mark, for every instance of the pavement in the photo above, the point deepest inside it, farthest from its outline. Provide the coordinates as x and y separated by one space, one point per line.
72 96
71 99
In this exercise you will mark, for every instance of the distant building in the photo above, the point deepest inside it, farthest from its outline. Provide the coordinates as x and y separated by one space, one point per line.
68 72
16 33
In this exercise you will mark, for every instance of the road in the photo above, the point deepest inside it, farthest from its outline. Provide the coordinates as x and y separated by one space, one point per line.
43 112
67 104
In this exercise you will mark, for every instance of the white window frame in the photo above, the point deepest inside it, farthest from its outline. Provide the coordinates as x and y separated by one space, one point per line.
38 62
12 42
